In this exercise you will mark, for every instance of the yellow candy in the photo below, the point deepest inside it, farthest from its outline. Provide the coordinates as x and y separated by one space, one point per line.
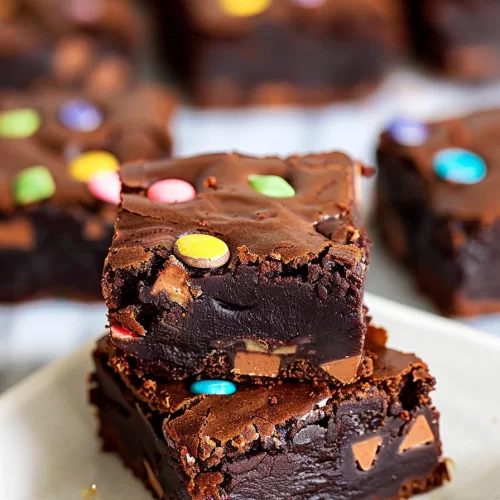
245 8
88 164
202 251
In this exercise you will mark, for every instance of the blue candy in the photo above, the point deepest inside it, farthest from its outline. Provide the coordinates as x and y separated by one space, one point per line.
408 132
460 166
214 387
80 115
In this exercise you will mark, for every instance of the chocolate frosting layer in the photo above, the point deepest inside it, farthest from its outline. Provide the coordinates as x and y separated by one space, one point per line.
254 226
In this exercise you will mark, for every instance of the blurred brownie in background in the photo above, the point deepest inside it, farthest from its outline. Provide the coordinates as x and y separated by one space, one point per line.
275 52
439 208
458 37
59 153
78 44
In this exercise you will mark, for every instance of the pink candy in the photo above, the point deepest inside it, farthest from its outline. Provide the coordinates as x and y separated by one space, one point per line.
120 333
172 191
106 186
310 3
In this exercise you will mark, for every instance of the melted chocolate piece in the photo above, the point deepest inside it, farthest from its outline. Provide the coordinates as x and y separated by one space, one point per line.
447 233
57 246
283 252
376 438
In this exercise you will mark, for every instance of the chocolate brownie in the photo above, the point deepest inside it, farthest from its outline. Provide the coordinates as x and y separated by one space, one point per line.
259 265
439 209
378 438
83 44
275 52
458 37
59 187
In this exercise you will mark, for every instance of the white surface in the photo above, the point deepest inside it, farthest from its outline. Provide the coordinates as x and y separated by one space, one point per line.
50 452
35 333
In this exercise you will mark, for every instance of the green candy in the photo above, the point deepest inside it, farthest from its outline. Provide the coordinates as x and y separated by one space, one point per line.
272 186
33 184
19 123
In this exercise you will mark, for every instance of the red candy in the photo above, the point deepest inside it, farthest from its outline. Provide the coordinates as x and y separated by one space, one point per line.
172 191
120 333
106 186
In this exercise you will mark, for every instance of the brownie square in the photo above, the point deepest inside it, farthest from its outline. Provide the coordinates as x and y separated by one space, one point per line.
439 210
59 188
279 52
457 37
284 295
87 45
378 438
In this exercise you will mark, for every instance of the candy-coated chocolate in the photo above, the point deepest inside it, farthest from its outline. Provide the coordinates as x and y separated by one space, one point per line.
272 186
106 186
80 115
171 191
120 333
202 251
311 4
33 184
85 166
213 387
407 132
19 123
244 8
460 166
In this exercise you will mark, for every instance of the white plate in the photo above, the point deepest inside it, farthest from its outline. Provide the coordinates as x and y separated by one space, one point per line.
47 432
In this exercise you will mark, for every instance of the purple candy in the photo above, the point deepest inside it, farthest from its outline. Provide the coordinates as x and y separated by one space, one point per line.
80 115
409 132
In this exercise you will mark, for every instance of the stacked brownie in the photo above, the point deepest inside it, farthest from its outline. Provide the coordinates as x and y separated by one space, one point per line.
240 361
59 186
439 208
274 52
79 44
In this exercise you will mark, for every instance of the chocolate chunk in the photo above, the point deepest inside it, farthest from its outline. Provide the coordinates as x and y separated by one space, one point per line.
257 364
174 281
365 452
17 234
344 370
419 434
